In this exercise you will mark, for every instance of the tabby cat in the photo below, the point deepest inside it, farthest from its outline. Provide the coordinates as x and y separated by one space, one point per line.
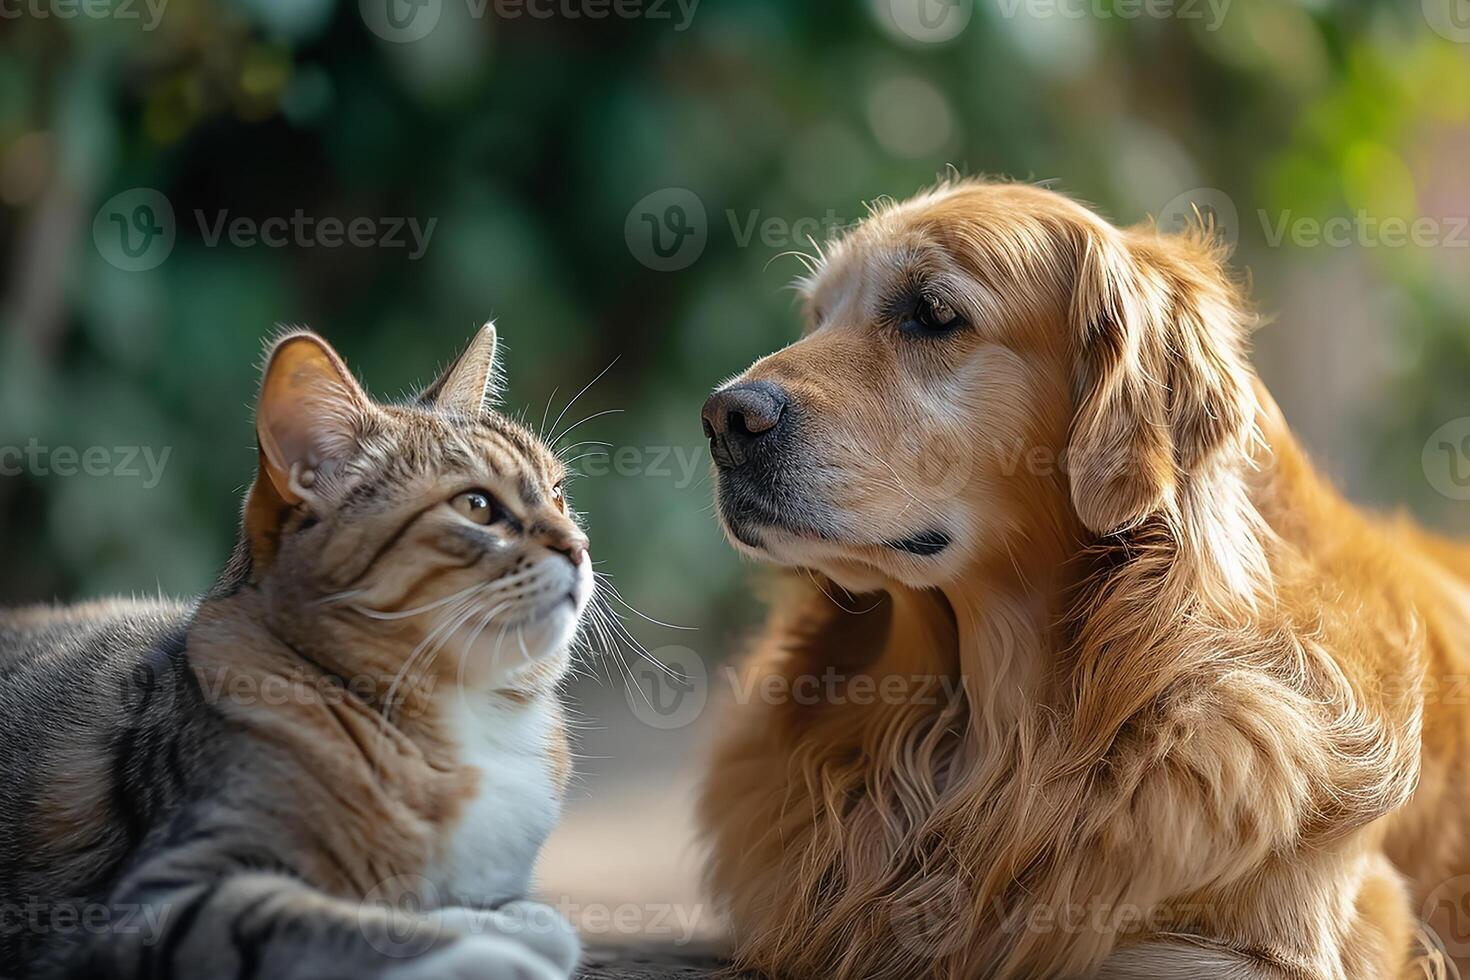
342 761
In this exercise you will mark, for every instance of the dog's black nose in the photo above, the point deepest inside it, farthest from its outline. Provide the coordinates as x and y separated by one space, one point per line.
736 418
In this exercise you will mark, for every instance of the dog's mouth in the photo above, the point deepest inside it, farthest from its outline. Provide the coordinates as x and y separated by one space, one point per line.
750 520
757 522
925 544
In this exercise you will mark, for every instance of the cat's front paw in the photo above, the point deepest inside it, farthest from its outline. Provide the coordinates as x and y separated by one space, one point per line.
534 925
480 957
544 929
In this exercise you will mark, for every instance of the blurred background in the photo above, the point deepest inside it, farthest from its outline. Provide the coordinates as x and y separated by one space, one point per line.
616 182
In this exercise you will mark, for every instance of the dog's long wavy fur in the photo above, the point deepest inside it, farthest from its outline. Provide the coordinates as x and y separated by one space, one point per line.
1202 725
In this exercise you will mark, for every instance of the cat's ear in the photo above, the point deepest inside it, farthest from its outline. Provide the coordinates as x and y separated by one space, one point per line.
310 417
472 383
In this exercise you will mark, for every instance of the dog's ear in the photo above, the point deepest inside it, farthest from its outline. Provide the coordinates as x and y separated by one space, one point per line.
1162 389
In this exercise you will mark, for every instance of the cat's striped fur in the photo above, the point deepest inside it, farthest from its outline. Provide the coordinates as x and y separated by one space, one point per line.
283 779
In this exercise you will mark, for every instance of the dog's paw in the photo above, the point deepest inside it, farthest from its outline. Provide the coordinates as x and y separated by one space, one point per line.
480 957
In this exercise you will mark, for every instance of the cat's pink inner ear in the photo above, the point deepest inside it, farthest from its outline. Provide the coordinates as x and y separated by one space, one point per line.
472 382
310 415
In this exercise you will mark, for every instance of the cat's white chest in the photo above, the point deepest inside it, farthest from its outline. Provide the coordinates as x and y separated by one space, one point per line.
491 850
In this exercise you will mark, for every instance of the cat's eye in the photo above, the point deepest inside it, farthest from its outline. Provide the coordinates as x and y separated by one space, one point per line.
558 494
479 506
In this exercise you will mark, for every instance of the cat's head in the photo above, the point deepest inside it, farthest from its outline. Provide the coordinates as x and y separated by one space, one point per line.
428 540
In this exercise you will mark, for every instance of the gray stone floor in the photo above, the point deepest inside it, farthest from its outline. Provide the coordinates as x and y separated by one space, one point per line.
650 962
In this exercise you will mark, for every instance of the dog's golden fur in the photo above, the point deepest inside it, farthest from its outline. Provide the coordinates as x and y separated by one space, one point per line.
1186 712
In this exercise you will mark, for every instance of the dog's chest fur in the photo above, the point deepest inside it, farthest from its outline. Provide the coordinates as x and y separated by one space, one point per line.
490 850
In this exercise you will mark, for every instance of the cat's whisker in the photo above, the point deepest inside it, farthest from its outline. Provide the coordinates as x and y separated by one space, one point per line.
440 634
547 410
567 407
600 614
589 418
372 613
595 617
628 673
337 597
441 625
621 629
584 442
469 643
607 581
614 631
500 637
484 622
569 462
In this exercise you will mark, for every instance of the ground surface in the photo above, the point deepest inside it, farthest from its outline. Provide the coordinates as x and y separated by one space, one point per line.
649 962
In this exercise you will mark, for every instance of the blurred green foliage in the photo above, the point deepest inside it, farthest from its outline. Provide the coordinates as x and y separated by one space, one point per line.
528 139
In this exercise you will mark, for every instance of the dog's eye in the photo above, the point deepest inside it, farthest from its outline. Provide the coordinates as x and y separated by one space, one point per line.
931 316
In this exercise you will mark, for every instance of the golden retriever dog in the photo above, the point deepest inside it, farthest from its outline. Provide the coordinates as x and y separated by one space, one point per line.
1090 674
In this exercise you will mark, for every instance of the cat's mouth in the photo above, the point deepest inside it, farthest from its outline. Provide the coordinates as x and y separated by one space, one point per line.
570 602
537 634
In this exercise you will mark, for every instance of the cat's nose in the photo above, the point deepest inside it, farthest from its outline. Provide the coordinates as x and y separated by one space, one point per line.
574 546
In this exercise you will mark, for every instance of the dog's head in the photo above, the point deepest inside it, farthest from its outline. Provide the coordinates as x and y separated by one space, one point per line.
982 364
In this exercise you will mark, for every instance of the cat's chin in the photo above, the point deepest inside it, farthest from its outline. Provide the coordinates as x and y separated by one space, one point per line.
528 647
550 633
507 655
